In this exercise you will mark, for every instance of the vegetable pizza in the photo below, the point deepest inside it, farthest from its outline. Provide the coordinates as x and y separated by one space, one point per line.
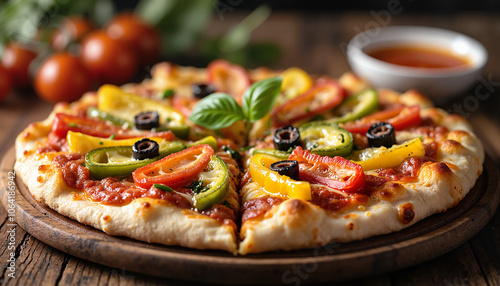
248 161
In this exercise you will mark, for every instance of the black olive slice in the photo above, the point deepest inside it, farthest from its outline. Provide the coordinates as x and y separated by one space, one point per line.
202 90
145 149
381 134
288 168
286 137
147 120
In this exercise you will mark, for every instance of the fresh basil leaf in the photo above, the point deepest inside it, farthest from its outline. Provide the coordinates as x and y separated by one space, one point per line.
216 111
259 98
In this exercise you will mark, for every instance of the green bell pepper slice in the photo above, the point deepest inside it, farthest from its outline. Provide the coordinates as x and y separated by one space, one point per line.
117 161
93 112
180 131
215 180
326 139
356 107
273 152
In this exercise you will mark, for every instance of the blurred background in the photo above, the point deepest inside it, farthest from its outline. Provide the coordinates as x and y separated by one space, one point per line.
310 34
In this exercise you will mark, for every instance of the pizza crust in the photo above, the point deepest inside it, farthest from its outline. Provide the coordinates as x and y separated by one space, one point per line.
143 219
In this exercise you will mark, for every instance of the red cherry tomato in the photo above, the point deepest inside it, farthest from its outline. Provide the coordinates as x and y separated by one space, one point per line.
131 29
229 78
108 60
62 77
16 60
5 83
72 29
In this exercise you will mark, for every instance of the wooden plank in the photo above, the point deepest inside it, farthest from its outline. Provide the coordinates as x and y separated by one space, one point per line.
5 250
356 22
284 30
13 240
37 264
458 267
486 247
17 115
10 114
489 132
481 26
380 280
81 272
328 50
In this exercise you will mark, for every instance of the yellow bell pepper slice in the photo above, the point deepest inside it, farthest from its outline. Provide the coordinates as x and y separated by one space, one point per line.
115 101
82 143
295 81
210 140
376 158
275 183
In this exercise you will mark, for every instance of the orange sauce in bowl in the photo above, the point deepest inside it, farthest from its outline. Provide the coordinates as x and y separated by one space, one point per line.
419 57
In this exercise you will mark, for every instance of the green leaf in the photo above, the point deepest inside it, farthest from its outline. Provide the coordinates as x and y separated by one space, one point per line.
262 54
260 97
163 187
153 11
239 35
103 11
216 111
183 24
167 93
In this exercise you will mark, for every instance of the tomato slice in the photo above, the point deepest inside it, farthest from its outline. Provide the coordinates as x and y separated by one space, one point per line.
229 78
400 117
337 172
176 170
64 122
184 105
324 95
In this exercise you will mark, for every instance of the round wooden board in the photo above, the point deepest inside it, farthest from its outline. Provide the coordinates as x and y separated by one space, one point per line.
425 240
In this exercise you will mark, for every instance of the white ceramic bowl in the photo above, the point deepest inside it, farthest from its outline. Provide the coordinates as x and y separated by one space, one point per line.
435 83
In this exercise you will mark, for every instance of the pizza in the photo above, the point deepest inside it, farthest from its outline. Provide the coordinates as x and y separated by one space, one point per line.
248 161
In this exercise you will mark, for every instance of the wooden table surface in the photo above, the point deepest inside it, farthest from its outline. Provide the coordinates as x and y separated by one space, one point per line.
314 42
